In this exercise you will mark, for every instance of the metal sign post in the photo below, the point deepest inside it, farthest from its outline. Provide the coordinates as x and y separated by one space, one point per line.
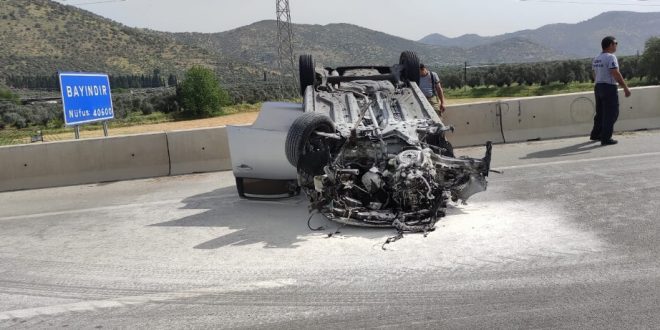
76 131
86 98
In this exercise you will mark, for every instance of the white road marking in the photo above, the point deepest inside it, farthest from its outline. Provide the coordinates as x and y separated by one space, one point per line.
93 305
576 161
103 208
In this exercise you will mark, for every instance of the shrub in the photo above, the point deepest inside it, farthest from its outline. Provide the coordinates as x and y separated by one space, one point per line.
7 95
200 93
14 119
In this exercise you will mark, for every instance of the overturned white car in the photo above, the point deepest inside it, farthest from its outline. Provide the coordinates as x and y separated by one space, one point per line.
367 148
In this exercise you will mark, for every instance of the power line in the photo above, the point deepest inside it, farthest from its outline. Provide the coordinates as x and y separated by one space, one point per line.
598 3
286 60
93 2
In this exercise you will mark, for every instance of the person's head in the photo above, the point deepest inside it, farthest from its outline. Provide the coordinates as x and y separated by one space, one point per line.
609 43
423 71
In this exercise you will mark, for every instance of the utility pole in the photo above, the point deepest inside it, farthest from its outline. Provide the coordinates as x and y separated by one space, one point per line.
465 76
286 61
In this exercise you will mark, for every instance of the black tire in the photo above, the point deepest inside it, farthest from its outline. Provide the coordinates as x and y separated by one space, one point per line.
410 63
299 136
306 71
239 187
448 148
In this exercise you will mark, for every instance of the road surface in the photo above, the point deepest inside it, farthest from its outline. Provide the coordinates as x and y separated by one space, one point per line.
566 237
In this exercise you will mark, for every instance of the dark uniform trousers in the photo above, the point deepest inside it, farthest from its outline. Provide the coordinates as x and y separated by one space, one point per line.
607 111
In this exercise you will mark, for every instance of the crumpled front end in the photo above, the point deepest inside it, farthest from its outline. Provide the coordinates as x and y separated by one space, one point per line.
370 150
409 190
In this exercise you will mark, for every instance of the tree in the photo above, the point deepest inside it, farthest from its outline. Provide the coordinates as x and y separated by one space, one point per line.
200 93
452 81
171 80
8 96
650 61
629 67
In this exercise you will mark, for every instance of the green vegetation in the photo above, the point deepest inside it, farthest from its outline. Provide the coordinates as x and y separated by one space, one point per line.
116 81
142 63
13 135
7 96
651 59
543 73
201 95
515 90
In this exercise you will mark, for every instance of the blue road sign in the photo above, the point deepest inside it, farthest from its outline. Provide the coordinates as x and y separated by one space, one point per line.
86 97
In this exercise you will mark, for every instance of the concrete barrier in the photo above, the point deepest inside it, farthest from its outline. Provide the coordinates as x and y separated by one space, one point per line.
199 150
639 111
547 117
202 150
474 124
568 115
83 161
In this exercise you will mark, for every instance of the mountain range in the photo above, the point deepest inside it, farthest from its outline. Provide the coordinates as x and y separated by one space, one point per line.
344 44
41 37
578 40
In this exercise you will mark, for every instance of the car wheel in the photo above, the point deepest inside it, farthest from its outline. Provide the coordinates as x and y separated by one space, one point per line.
410 63
306 71
303 148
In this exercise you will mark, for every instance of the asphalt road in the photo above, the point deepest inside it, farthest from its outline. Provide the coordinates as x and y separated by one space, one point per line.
566 237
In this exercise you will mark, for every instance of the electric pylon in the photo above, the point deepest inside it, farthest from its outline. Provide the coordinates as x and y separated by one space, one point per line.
286 61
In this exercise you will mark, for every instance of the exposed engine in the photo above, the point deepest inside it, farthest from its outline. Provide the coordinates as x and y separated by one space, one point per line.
371 151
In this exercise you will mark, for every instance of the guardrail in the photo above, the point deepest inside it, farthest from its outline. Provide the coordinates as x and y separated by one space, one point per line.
204 150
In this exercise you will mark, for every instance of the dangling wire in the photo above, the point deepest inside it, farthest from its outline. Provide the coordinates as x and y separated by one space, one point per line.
314 212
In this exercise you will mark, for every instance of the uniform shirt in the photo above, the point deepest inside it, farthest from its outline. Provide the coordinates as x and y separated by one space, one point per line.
602 65
426 84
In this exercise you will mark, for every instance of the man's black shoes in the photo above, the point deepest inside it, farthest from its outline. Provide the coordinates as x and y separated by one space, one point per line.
608 142
594 138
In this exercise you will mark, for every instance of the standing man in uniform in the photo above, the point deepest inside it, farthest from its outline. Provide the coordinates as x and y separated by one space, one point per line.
430 85
606 76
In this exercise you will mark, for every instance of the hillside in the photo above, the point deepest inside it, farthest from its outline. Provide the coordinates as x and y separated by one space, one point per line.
520 49
41 37
574 40
464 41
347 44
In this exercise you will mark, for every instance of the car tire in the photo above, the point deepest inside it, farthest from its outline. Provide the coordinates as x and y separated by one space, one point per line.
299 137
306 72
410 63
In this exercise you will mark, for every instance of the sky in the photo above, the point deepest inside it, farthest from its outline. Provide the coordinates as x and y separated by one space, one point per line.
410 19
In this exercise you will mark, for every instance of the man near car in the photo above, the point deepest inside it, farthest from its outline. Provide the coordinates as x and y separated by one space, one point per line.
430 85
606 77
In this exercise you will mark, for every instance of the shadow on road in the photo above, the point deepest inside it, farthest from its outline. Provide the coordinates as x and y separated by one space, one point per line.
276 224
577 149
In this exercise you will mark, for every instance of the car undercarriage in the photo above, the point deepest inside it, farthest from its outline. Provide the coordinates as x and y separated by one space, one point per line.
370 150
